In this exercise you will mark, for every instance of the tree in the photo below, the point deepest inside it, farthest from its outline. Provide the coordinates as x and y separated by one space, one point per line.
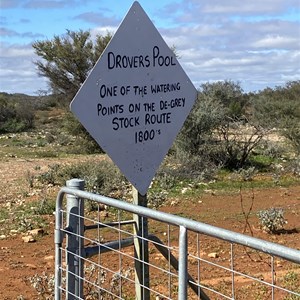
66 62
229 94
68 59
220 128
16 113
280 108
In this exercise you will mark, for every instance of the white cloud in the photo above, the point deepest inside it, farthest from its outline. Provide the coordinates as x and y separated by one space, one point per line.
276 42
215 9
50 4
97 18
103 30
250 42
253 7
9 3
17 70
16 51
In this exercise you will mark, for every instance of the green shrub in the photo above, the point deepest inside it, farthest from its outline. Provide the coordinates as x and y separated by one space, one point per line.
101 177
279 108
272 219
272 149
220 129
291 281
44 206
16 114
247 174
156 198
84 143
294 166
51 176
43 284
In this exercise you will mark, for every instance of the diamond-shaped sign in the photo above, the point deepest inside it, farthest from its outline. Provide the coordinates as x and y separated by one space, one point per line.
136 99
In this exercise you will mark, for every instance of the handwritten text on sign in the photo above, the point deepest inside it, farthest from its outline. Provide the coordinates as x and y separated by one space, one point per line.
148 113
136 99
139 61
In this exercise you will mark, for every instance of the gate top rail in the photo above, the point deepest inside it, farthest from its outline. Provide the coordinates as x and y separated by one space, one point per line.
287 253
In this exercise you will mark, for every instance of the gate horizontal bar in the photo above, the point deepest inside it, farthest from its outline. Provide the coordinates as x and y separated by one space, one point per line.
290 254
107 247
111 224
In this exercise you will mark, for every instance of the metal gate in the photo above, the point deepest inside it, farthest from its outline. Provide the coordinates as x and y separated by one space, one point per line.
118 250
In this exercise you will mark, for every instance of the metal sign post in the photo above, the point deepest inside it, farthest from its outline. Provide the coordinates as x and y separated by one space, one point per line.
141 251
133 103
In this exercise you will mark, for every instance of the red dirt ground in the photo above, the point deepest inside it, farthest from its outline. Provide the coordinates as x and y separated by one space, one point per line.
19 261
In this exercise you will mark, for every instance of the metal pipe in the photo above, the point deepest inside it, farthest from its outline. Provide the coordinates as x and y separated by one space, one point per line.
107 247
167 254
58 239
182 264
111 224
227 235
75 245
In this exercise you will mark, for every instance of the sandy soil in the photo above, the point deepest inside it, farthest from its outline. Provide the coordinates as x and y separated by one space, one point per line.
19 260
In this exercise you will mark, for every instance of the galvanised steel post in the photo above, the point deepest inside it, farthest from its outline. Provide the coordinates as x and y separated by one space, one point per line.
75 247
182 264
58 240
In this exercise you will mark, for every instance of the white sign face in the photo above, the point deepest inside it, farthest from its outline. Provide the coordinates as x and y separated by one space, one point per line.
136 99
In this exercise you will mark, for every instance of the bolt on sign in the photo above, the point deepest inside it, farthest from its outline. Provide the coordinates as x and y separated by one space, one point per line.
136 99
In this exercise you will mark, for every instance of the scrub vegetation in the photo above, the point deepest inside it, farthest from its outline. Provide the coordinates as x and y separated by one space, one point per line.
234 153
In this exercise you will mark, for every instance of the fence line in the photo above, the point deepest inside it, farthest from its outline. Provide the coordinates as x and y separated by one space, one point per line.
113 279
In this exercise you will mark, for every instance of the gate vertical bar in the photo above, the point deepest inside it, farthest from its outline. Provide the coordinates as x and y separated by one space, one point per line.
141 252
58 239
75 250
182 264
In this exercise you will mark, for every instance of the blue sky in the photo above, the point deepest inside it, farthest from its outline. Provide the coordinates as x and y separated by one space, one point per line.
254 42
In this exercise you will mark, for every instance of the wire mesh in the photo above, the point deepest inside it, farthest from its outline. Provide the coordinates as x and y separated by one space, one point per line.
216 268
